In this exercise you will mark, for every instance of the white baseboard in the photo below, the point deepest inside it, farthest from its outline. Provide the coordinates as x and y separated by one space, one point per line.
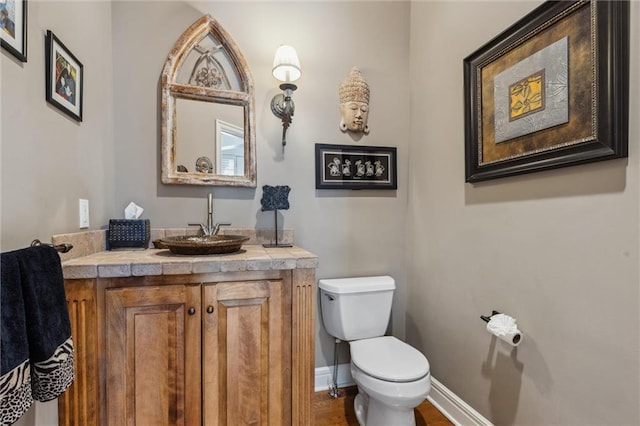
455 409
324 377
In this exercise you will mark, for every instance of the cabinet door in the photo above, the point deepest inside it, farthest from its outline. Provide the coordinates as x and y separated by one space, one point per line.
246 353
153 362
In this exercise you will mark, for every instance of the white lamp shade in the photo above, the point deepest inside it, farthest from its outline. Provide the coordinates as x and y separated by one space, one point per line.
286 66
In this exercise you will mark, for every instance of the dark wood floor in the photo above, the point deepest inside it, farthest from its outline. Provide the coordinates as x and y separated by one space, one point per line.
330 411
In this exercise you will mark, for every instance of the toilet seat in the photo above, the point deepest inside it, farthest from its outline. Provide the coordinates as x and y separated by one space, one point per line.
390 359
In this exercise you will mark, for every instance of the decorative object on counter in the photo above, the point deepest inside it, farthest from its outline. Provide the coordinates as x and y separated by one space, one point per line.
275 198
37 348
64 78
354 103
503 327
286 68
206 77
129 233
550 91
204 165
355 167
191 245
13 28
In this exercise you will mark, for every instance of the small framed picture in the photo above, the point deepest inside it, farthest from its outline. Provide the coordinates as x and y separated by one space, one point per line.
13 27
64 78
355 167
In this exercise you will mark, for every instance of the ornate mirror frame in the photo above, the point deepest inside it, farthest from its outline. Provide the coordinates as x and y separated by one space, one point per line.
172 90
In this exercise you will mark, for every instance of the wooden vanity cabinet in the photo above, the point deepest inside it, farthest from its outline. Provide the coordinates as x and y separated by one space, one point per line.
214 349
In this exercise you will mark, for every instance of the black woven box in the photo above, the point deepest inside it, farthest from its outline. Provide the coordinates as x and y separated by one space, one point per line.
129 233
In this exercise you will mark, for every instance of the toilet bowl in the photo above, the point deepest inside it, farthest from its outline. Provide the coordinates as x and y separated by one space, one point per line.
392 377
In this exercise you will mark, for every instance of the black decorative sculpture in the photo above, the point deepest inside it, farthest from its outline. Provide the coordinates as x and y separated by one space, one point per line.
275 198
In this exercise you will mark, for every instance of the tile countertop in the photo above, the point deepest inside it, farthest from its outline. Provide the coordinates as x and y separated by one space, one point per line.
133 263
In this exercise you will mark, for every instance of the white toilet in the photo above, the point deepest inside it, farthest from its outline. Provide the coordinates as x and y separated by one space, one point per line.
392 377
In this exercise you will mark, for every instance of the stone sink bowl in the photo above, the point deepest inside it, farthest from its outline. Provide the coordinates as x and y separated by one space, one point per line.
202 245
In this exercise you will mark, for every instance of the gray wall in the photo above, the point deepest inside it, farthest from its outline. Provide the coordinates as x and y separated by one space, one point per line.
558 250
48 159
354 233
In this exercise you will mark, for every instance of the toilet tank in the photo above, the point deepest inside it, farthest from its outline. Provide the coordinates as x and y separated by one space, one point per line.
356 308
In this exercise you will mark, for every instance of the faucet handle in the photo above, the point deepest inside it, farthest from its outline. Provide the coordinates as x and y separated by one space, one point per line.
216 228
202 227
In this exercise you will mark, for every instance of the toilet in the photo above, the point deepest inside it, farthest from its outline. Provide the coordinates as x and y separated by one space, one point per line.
392 377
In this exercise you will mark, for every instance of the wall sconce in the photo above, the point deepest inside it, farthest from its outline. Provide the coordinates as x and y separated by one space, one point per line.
286 68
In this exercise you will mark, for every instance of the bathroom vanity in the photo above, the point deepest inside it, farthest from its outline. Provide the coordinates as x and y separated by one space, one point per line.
193 340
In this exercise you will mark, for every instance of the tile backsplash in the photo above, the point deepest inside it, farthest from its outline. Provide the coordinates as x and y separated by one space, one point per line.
89 242
84 243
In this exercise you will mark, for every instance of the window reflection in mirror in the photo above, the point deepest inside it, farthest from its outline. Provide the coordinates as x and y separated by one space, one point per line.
229 149
209 131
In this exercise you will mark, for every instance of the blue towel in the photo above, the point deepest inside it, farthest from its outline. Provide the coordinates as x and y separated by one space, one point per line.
36 352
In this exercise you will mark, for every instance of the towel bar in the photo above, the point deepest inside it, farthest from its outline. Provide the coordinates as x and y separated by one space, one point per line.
62 248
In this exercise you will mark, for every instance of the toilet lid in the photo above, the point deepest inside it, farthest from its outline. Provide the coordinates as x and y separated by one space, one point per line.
388 358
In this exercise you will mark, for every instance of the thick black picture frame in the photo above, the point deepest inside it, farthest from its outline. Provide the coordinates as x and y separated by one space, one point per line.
50 63
333 161
609 35
21 53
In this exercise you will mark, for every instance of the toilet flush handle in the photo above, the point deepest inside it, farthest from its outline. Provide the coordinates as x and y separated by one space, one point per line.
330 297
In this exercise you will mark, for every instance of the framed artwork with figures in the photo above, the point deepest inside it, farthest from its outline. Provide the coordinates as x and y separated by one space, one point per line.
355 167
64 78
13 27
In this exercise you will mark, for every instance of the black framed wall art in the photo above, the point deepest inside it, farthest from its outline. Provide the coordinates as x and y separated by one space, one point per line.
64 78
13 27
355 167
550 91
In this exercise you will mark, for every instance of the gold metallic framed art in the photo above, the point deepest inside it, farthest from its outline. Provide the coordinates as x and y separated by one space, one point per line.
550 91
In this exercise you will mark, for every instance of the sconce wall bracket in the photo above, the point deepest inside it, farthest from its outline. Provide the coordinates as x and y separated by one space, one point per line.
283 107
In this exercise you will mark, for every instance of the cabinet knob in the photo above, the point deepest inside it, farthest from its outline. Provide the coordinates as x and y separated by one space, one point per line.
192 311
209 309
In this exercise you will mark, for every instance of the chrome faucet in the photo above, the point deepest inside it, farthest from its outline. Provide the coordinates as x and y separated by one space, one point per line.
209 229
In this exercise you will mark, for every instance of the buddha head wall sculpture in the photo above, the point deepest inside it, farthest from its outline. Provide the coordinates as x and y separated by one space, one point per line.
354 102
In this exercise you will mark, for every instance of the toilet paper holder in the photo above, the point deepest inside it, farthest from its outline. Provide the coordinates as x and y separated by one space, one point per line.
513 338
487 318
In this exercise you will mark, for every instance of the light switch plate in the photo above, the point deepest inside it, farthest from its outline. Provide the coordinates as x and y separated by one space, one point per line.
83 213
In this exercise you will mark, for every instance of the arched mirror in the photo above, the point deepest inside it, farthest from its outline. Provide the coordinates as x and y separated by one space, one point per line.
208 135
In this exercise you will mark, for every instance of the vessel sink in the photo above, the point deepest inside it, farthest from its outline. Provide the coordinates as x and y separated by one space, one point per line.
207 244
